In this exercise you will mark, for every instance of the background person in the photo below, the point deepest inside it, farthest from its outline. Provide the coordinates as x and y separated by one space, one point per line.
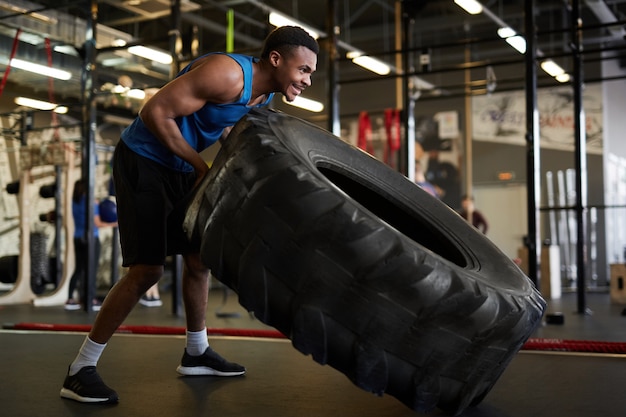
478 220
421 180
152 297
79 278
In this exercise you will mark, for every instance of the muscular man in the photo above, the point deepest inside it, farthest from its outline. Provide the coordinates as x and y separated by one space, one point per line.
156 167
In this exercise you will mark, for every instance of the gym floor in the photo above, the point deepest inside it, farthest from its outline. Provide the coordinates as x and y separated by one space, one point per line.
280 380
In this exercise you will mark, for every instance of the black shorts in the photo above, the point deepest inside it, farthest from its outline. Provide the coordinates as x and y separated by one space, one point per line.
151 205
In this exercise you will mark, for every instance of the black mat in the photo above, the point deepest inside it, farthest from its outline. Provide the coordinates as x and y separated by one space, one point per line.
280 382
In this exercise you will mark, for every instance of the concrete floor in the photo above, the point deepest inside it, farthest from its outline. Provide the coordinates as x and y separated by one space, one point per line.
283 382
280 382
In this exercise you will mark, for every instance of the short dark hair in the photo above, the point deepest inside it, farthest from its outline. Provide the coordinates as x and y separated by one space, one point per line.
286 38
80 190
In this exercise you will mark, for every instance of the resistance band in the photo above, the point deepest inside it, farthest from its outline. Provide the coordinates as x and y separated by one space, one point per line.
16 41
156 330
55 120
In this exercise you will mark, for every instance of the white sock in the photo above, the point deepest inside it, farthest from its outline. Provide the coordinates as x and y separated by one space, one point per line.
88 355
197 342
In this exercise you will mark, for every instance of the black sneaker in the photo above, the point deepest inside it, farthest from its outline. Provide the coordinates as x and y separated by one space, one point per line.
87 387
209 363
72 305
150 301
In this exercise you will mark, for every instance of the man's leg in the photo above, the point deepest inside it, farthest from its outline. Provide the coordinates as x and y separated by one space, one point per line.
195 291
122 298
199 358
83 382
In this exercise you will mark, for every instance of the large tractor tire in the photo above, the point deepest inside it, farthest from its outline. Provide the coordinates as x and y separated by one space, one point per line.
358 266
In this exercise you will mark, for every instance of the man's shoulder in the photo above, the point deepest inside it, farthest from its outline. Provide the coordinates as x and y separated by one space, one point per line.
223 57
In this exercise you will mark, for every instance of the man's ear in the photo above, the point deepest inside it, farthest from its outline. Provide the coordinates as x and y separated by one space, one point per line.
274 58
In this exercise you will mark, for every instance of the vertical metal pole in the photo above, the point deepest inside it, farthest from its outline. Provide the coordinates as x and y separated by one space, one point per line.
230 31
407 160
176 43
580 147
89 150
333 67
398 47
58 224
175 50
26 124
533 242
177 285
115 255
469 148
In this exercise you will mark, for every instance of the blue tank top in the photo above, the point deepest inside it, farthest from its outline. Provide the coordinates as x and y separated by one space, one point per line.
200 129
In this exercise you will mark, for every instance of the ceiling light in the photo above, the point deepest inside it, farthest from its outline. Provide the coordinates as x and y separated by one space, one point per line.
136 93
39 104
118 89
518 42
470 6
151 54
40 69
29 13
372 64
552 68
65 49
506 32
112 62
306 104
512 38
279 19
563 78
118 120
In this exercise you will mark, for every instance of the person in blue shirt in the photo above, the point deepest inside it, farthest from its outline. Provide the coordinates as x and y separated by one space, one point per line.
79 277
420 179
157 165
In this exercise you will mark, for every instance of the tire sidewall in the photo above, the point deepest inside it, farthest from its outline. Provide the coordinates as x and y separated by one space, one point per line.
484 261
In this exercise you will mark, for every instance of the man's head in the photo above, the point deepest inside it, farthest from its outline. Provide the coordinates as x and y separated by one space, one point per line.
287 38
292 53
467 202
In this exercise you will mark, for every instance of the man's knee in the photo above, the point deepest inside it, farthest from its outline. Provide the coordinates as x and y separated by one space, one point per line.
145 276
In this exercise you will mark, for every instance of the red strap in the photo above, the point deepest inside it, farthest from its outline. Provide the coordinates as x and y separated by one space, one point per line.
365 133
392 123
392 127
16 41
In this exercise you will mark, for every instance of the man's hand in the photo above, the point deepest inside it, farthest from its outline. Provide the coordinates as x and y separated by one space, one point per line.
201 172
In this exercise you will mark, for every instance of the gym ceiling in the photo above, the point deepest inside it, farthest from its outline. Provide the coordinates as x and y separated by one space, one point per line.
444 40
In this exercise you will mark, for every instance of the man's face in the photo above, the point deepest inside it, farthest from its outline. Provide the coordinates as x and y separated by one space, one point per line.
294 71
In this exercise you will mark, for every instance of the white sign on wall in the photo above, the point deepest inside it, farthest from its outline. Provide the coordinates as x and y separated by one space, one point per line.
501 117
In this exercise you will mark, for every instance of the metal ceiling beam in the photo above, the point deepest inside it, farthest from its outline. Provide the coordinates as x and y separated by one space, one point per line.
605 15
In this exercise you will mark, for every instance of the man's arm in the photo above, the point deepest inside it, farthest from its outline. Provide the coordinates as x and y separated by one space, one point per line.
217 79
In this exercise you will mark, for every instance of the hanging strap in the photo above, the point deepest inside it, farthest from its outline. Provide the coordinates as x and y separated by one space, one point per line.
55 120
392 127
364 141
16 41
